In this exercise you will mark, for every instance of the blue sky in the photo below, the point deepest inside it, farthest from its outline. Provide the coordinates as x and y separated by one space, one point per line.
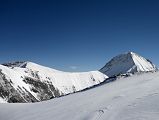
77 35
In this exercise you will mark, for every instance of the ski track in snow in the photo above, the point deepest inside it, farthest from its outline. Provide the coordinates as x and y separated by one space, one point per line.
132 98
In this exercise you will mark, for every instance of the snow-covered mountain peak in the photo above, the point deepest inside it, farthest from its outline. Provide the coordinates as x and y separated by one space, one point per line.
132 53
129 62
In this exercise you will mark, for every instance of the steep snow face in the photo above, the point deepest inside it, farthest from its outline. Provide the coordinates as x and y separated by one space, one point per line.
127 63
142 63
131 98
39 83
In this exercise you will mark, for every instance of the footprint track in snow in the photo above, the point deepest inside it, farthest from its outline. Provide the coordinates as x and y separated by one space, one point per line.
96 115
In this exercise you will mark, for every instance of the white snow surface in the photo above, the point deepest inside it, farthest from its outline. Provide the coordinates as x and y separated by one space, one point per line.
131 98
127 63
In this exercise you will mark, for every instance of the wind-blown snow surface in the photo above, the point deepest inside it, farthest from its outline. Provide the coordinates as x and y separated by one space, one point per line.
131 98
128 63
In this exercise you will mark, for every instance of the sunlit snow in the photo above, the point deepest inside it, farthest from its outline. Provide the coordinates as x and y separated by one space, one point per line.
131 98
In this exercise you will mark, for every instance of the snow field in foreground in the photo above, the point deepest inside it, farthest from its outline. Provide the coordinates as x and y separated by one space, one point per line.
132 98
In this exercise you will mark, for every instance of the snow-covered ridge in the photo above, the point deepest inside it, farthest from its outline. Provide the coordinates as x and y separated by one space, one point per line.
38 83
127 63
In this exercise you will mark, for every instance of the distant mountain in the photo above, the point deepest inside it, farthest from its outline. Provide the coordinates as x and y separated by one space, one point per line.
30 82
127 63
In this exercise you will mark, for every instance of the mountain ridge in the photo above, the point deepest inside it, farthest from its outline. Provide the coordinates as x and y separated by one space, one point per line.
37 83
25 81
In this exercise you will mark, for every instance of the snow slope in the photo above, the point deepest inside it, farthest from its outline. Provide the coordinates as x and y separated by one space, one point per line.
131 98
127 63
41 83
64 81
